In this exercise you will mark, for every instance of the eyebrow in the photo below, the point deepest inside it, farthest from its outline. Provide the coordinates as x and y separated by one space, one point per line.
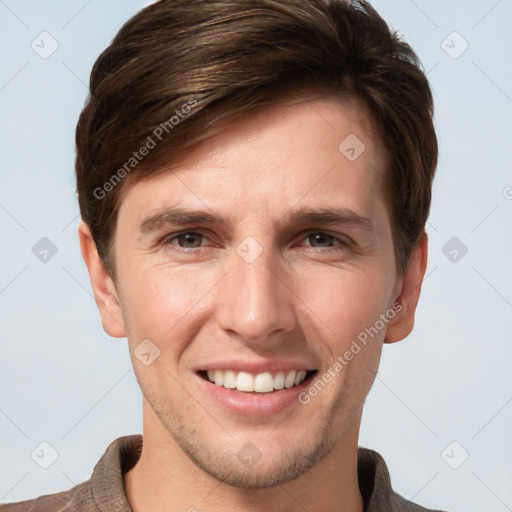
169 216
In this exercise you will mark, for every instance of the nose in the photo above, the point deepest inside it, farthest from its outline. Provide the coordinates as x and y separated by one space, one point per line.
255 300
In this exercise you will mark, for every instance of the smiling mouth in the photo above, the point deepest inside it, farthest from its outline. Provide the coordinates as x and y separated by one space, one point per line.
265 382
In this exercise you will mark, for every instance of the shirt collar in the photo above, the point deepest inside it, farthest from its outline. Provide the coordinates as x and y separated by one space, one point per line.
109 493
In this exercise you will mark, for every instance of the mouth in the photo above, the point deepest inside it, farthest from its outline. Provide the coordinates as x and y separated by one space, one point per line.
257 383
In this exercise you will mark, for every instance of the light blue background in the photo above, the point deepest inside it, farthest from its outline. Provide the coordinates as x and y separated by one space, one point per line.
64 381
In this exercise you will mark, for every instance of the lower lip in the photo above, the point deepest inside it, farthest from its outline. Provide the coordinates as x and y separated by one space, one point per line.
253 404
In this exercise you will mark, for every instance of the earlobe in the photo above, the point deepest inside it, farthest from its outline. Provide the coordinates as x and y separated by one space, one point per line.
103 287
403 323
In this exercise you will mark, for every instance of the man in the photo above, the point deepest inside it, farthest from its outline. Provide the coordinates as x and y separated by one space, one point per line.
221 142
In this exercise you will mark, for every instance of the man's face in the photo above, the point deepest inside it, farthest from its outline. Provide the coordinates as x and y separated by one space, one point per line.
269 288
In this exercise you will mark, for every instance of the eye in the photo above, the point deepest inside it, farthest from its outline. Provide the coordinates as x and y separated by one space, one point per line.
319 239
185 240
188 240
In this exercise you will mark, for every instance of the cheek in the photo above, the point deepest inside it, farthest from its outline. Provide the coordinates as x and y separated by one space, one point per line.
160 301
161 304
345 301
347 308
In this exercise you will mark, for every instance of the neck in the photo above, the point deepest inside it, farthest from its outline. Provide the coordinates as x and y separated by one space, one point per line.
165 479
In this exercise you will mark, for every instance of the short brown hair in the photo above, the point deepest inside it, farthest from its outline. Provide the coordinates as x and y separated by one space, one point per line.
179 67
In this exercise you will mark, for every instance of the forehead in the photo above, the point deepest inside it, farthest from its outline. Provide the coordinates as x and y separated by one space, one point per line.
316 151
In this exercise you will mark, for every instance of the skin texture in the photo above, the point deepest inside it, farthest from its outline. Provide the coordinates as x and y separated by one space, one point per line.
306 297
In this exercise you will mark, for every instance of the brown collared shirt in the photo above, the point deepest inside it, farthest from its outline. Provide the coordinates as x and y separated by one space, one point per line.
105 492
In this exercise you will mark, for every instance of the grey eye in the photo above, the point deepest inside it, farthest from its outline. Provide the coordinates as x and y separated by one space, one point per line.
323 239
189 240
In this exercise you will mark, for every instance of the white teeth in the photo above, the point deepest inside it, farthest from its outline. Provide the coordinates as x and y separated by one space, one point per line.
299 377
229 379
219 378
244 382
260 383
279 380
263 383
290 379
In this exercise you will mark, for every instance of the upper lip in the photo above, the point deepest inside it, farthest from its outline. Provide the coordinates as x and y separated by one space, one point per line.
256 366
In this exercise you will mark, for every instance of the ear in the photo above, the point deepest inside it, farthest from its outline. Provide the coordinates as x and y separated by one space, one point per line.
105 293
403 322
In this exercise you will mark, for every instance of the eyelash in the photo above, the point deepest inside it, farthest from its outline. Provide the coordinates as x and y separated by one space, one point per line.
167 241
